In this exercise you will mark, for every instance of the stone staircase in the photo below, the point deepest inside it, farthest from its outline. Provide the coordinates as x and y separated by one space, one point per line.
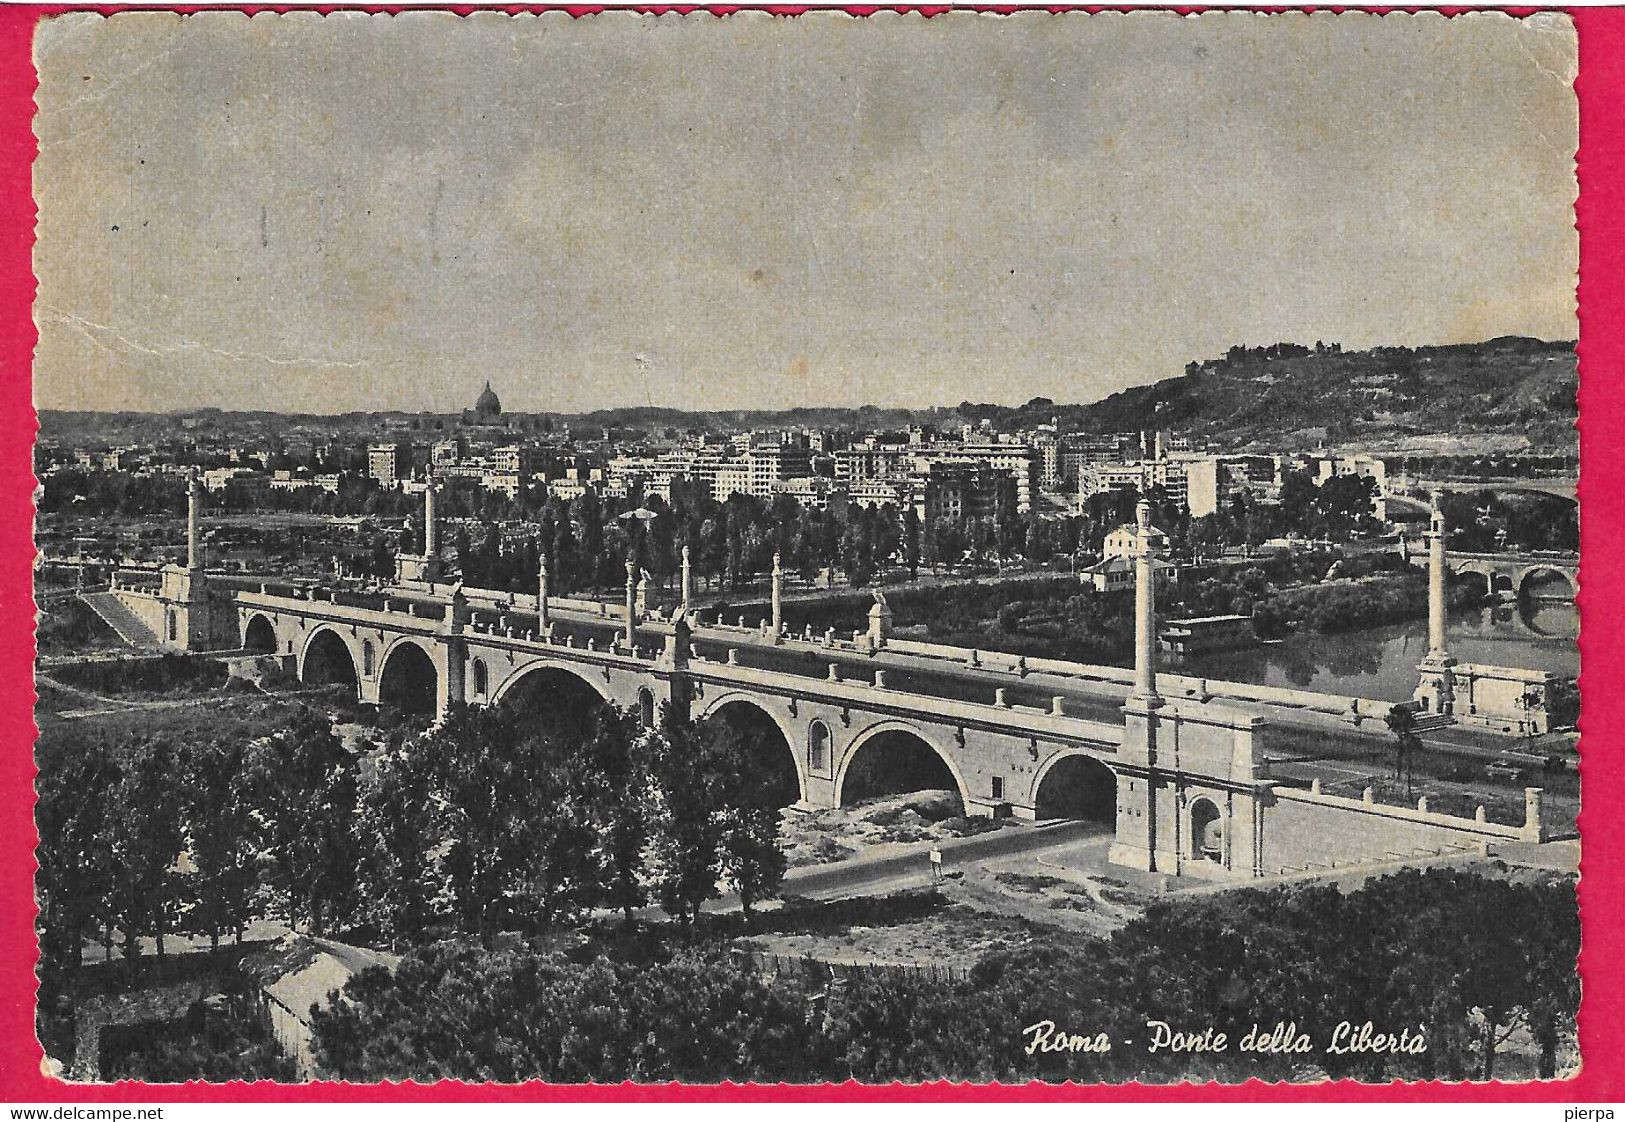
122 620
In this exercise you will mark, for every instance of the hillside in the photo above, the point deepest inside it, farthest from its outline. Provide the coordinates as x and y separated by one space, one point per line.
1293 394
1508 392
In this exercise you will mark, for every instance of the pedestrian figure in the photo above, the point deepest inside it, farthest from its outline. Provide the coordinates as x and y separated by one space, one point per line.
936 865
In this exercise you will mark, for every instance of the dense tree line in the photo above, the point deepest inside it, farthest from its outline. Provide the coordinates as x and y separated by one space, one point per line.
731 544
498 820
1463 960
497 542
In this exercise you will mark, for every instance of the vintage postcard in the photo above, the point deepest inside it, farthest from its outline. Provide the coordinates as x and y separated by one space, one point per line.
1023 548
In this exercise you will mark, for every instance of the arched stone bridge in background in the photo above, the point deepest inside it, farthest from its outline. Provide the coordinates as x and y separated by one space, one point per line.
828 700
1176 766
1514 574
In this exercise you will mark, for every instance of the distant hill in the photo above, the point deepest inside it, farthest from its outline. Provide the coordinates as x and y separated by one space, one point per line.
1512 386
1285 395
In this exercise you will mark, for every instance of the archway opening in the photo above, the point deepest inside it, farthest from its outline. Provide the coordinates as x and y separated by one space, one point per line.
1501 585
1479 583
1207 831
328 662
409 682
1546 584
898 762
554 701
763 753
1078 787
1546 606
259 636
818 745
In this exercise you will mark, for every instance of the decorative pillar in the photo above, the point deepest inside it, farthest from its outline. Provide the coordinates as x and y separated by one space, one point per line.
431 534
1437 646
778 597
542 620
688 581
194 522
1146 550
1436 685
631 599
879 621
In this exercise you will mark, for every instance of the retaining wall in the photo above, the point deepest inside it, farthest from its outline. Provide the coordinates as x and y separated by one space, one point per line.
1296 827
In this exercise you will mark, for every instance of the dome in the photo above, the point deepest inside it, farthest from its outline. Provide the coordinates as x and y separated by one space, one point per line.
488 405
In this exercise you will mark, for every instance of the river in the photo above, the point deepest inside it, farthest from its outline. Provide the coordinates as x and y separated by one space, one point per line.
1381 662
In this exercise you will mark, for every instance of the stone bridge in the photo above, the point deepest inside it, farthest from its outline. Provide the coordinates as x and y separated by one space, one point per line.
1511 573
425 652
1176 767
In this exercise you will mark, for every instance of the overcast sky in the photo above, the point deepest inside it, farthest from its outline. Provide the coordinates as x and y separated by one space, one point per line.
367 212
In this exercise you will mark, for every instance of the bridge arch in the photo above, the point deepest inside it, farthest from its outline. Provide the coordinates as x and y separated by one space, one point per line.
327 657
408 679
555 696
1480 575
748 716
1075 785
523 677
893 752
259 634
1527 575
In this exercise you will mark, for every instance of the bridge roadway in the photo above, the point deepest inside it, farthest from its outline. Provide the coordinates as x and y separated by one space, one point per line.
1087 693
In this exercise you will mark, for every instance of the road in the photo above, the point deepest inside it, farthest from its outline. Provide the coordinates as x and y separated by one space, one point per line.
893 871
1309 738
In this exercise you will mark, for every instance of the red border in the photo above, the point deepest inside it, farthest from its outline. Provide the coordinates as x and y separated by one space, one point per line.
1601 220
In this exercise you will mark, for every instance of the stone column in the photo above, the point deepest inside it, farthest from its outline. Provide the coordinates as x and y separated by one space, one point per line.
1145 607
1438 649
688 581
431 533
194 522
778 597
631 600
542 620
1436 685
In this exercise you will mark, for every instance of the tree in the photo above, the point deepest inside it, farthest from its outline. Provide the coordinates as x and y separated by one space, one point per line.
395 825
911 541
221 837
304 787
620 803
75 816
752 861
689 834
146 840
511 835
1401 721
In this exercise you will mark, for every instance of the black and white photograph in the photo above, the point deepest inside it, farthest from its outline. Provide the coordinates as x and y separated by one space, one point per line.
694 548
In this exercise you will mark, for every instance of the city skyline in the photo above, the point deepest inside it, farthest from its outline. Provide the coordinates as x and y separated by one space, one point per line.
896 212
